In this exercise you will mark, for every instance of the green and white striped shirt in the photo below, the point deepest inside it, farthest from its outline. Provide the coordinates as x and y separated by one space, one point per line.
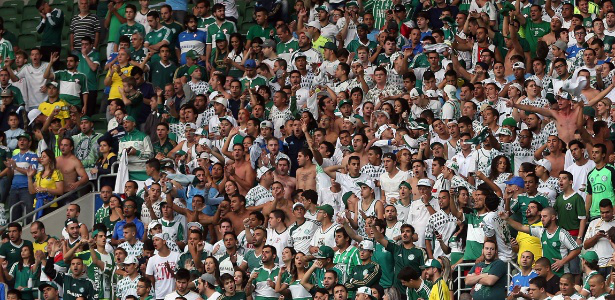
6 51
346 261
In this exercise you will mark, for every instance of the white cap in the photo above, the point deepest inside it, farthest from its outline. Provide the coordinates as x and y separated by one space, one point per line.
204 155
130 259
383 112
190 125
33 114
431 94
315 24
450 91
298 204
352 120
414 93
221 100
424 182
153 224
261 171
518 65
158 235
544 163
365 290
266 124
367 183
518 86
381 130
366 245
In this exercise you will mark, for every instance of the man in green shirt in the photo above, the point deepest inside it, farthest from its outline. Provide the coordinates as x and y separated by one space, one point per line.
11 251
262 28
251 78
166 13
570 208
133 99
288 43
159 35
50 28
535 27
49 290
414 286
73 284
519 206
163 70
405 254
131 26
268 272
202 14
89 62
86 143
488 277
600 181
220 26
114 19
72 83
361 40
368 272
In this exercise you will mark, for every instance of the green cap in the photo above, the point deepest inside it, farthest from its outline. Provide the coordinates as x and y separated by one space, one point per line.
130 118
509 122
345 101
590 256
345 198
191 69
24 135
589 111
330 46
180 152
324 252
322 7
44 284
352 3
238 139
192 54
406 184
326 208
70 221
432 263
220 37
86 118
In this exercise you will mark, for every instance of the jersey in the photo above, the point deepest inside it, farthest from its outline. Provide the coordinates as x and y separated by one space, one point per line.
600 185
555 245
496 291
346 261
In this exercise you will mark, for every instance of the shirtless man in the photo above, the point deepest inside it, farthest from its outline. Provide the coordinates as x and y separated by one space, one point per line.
70 166
359 142
306 173
241 171
588 91
550 38
238 212
556 155
565 118
196 214
281 174
512 43
280 202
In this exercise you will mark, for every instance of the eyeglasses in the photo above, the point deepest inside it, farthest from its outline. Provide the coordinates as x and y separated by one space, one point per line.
559 66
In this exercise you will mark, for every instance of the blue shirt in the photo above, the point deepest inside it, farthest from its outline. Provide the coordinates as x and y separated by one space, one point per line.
178 4
20 181
573 50
210 200
118 231
191 41
520 280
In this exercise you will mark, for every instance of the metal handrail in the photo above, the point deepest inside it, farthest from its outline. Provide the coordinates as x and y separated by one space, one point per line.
56 200
460 278
23 206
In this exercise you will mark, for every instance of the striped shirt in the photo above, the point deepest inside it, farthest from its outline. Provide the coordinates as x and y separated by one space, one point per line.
346 261
81 27
6 51
135 250
440 290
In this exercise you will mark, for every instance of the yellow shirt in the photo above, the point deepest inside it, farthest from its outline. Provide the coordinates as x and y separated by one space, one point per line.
48 183
529 243
47 108
40 246
319 43
440 291
116 81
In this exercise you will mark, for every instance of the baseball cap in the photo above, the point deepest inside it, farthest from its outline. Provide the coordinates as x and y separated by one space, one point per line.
518 65
452 165
6 93
378 112
158 235
315 24
590 256
352 3
192 69
367 291
561 45
298 204
346 196
326 208
399 7
504 131
450 91
220 37
70 221
322 7
330 46
432 263
262 171
192 54
268 43
153 224
345 101
363 26
544 163
33 114
424 182
324 252
589 111
267 124
367 183
53 83
130 259
221 100
24 135
518 86
130 118
517 180
366 245
86 118
194 224
406 184
250 63
45 284
509 122
209 278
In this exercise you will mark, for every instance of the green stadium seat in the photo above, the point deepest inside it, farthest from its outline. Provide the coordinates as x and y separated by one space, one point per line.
31 13
28 41
10 26
243 29
17 4
28 26
68 3
101 81
248 15
9 12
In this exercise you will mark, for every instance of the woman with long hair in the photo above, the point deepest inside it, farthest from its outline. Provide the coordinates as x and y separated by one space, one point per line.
404 160
499 173
104 163
219 53
291 278
446 272
46 184
212 266
22 272
401 109
392 293
235 56
116 213
241 279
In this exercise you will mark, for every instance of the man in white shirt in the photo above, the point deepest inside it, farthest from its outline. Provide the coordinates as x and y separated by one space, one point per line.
392 178
207 287
596 238
161 267
182 278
